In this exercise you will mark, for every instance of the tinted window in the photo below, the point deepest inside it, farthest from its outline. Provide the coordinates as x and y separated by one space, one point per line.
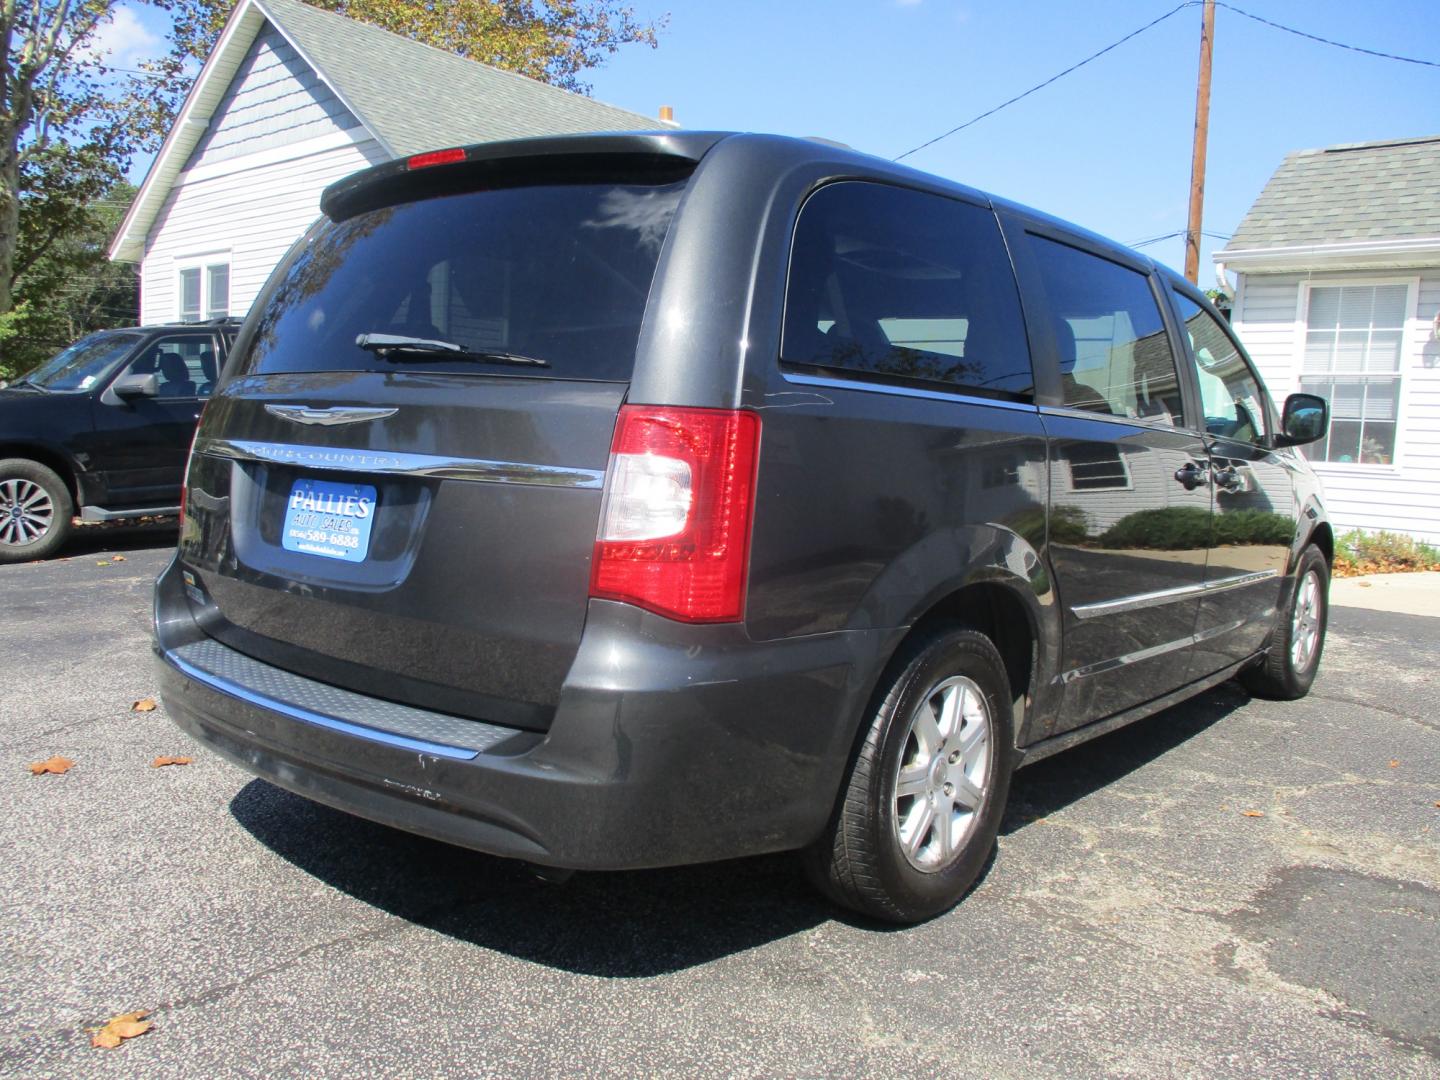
1114 354
1233 402
557 272
183 364
900 284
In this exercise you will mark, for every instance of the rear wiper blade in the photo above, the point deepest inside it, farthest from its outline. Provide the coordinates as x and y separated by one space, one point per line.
395 347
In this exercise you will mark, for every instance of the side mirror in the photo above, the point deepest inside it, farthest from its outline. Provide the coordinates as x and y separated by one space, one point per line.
137 386
1305 419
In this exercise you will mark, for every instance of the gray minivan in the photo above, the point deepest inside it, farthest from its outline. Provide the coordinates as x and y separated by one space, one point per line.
633 500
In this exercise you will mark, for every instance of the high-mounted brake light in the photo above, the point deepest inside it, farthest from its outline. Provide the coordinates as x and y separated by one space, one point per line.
675 528
434 157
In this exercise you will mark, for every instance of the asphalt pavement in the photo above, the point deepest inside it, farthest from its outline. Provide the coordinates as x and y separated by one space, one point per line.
1232 888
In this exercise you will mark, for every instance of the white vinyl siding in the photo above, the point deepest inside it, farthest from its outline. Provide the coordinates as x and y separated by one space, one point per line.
251 187
1270 319
274 99
255 213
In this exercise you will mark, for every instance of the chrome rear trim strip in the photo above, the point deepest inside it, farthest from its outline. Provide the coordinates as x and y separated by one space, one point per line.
390 463
1167 596
905 391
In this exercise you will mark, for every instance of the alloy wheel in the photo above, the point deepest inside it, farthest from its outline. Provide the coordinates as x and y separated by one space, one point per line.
944 773
27 512
1305 621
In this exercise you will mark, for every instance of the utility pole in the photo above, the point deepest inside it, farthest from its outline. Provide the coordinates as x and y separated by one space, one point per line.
1202 132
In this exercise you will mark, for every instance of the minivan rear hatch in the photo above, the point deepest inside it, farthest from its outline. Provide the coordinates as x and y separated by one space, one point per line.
397 486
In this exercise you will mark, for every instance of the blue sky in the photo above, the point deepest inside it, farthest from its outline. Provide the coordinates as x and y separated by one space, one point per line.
1107 147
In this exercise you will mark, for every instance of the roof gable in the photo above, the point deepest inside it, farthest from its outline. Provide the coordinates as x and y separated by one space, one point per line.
274 98
1350 194
415 97
407 96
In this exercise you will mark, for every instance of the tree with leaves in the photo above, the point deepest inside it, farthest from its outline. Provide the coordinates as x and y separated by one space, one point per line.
71 122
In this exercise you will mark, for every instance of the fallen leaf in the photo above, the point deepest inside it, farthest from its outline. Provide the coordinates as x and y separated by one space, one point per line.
1253 813
122 1027
1364 584
144 705
102 562
1437 804
161 761
56 765
1394 763
117 558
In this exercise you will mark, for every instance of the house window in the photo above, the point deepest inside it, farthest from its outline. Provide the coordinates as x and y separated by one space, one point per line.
1353 336
1096 467
204 291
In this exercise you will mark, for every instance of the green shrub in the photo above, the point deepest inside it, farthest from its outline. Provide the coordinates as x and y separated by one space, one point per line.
1382 552
1171 529
1178 527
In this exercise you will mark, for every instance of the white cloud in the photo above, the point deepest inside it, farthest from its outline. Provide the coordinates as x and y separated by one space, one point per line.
124 40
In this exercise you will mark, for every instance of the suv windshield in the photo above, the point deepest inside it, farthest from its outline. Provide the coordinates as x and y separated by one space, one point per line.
83 364
548 279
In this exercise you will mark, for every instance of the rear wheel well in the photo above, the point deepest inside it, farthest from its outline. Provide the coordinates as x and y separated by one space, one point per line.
52 461
999 614
1324 538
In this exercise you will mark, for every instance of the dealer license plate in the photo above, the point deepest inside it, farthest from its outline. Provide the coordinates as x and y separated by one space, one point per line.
328 519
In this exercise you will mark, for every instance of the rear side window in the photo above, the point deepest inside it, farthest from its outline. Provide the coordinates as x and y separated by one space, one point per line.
1115 357
901 285
555 272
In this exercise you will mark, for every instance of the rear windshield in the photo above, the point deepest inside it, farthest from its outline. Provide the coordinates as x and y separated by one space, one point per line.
558 273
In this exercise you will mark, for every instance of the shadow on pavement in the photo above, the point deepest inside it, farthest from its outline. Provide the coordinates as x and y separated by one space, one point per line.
634 924
90 539
639 924
1056 782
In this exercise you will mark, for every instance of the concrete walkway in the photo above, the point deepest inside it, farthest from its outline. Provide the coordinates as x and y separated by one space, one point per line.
1400 594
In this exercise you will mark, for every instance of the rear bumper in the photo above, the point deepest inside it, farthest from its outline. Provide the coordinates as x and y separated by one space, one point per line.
670 744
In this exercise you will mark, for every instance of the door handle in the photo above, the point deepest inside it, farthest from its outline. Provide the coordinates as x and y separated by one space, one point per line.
1192 476
1229 479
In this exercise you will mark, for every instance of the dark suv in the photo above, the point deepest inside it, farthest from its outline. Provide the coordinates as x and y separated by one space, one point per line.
102 429
625 501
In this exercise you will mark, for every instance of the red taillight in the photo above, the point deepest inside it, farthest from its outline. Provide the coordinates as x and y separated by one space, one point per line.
434 157
675 528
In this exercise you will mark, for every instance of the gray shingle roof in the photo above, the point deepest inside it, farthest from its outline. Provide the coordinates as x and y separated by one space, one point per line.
415 97
1358 191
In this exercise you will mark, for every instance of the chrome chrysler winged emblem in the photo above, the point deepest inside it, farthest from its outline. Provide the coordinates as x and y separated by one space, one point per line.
305 414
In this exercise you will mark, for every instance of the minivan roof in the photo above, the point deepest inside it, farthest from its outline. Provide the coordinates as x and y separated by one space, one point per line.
347 196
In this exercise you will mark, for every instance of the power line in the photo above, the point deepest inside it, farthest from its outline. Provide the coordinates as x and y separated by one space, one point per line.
1155 239
1327 41
1136 33
1040 86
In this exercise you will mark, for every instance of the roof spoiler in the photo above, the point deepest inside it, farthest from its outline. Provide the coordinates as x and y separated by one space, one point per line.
572 158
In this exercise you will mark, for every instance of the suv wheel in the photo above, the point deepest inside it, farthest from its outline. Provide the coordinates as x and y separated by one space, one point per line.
1292 657
917 818
35 510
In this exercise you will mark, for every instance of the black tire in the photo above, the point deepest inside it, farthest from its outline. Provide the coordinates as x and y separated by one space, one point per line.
1285 673
35 511
859 862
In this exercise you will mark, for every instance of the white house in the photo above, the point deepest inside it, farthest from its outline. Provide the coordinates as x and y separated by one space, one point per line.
1338 267
292 99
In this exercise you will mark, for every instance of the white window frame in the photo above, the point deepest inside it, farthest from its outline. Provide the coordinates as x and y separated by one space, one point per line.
1409 345
204 262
